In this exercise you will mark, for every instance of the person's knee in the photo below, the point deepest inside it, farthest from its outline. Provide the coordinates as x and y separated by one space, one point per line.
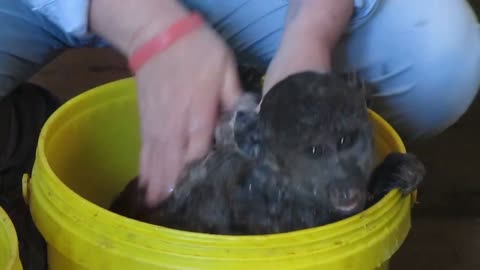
443 79
431 107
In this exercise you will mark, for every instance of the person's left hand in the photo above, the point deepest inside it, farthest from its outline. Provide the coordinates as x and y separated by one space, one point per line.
312 30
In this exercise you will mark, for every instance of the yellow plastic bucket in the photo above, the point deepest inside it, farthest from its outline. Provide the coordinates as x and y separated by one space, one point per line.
88 150
9 254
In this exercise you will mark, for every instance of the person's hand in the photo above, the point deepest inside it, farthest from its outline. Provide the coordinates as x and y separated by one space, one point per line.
312 30
180 94
181 90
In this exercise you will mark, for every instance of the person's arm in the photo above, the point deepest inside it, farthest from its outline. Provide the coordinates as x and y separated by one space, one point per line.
312 30
180 89
129 23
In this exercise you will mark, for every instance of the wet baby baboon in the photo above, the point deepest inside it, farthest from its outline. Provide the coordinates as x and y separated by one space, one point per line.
304 159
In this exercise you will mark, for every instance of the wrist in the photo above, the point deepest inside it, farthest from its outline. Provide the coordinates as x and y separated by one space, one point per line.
312 31
322 21
163 40
134 22
298 52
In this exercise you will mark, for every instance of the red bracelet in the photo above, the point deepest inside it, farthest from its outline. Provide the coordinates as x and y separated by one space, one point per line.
163 40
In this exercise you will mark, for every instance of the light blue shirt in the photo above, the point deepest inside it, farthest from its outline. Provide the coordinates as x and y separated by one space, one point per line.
72 15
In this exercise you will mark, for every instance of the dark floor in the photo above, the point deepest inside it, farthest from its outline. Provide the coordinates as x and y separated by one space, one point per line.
446 223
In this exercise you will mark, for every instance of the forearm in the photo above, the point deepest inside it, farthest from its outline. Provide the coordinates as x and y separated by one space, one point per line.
324 20
129 23
317 26
312 31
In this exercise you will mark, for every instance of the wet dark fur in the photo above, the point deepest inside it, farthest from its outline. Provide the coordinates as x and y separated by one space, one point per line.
305 160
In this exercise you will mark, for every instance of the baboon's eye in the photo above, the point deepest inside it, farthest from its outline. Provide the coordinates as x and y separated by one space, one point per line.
316 151
347 140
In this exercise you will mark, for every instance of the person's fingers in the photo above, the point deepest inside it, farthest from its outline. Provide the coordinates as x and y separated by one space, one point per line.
164 142
231 89
145 163
164 173
200 142
203 116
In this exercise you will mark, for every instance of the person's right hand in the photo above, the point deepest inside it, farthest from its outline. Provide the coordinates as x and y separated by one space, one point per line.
181 91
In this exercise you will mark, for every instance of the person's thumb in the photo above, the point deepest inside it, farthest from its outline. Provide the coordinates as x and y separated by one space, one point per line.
231 90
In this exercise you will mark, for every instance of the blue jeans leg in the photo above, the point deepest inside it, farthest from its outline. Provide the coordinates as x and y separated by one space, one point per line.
424 59
423 56
27 43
